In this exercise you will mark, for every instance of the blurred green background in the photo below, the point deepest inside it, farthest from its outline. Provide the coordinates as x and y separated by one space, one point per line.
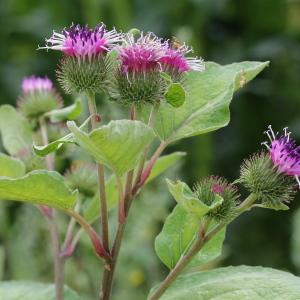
224 31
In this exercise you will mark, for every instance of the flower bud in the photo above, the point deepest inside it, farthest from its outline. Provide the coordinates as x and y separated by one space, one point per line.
38 97
82 176
206 190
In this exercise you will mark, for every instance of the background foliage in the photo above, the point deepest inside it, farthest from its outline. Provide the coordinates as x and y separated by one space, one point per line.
224 31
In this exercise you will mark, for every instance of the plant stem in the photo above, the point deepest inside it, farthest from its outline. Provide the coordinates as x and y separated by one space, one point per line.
202 239
58 260
101 177
130 192
151 123
98 246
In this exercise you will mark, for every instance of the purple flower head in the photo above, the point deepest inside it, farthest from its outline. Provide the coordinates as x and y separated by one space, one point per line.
82 41
142 55
33 84
284 152
175 59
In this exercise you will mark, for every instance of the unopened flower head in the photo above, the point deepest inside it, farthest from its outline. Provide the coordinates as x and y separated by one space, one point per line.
38 96
82 41
208 188
176 62
284 152
33 84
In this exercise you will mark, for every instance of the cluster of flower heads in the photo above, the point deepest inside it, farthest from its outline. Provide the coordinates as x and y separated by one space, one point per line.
138 59
284 152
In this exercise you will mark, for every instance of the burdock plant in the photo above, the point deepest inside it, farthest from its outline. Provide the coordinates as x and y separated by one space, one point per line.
169 96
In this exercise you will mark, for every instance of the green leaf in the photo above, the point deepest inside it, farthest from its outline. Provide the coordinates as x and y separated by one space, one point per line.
235 283
39 187
11 167
185 197
92 210
175 95
53 146
211 250
208 96
16 290
44 150
178 234
117 145
67 113
15 130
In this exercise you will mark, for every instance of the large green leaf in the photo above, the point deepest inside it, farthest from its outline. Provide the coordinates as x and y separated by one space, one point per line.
92 210
208 95
117 145
189 201
15 130
178 234
38 187
235 283
17 290
11 167
67 113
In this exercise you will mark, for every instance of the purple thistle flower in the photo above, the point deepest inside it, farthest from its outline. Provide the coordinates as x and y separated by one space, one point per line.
175 59
284 152
82 41
33 83
142 55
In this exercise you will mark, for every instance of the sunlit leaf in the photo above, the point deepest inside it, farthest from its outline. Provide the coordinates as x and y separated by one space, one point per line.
117 145
208 96
175 94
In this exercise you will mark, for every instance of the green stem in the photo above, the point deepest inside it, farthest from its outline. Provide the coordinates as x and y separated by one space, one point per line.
101 178
202 239
51 217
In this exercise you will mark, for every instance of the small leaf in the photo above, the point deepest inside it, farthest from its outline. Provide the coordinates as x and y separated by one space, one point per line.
15 130
92 210
39 187
67 113
117 145
16 290
55 145
178 234
235 283
185 197
175 95
11 167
